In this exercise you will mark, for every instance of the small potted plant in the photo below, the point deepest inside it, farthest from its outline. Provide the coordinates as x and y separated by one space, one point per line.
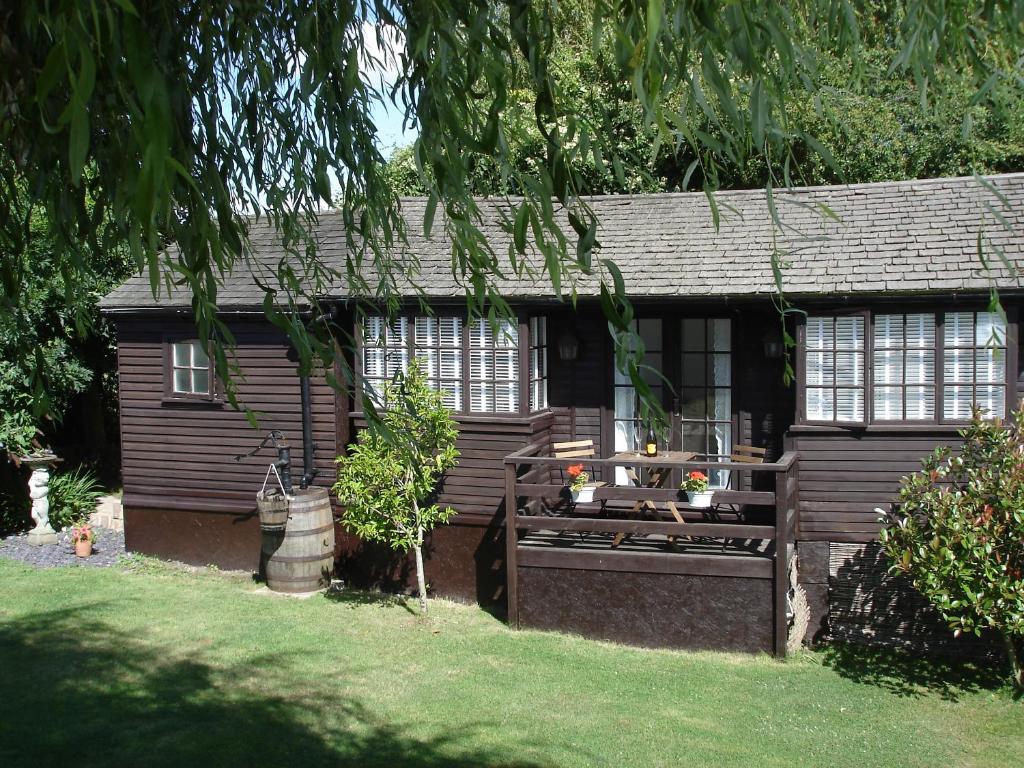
582 493
83 537
696 487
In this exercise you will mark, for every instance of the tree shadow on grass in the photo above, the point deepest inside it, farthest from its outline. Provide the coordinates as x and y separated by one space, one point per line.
74 689
355 598
913 674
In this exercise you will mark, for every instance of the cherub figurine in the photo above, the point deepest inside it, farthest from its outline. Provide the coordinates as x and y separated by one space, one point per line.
39 491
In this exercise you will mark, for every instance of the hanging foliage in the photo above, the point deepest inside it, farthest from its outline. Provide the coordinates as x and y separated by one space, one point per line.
181 119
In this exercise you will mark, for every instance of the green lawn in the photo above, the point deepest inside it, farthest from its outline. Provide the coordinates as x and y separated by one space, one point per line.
159 666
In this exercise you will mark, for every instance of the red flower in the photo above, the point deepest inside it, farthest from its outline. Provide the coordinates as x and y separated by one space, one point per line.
697 476
575 470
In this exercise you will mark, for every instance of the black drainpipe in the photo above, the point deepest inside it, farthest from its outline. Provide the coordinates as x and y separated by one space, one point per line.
308 446
309 473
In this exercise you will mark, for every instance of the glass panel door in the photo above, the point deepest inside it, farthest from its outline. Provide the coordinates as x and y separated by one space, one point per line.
629 422
702 384
705 395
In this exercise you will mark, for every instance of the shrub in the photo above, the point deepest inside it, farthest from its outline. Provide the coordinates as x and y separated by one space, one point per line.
957 531
14 509
73 497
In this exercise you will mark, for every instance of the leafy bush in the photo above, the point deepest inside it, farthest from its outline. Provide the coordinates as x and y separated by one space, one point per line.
73 497
17 427
14 510
394 468
957 532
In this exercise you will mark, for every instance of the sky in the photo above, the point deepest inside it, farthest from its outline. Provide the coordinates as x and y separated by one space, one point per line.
381 62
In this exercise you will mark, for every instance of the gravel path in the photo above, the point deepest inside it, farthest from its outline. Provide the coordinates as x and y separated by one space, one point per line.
106 551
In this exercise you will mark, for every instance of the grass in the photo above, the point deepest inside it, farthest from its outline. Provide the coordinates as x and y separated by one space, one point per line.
153 665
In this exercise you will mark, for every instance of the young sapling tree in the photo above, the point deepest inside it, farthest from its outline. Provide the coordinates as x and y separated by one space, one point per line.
389 478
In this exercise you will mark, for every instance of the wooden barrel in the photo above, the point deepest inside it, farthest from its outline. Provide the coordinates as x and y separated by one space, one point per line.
301 557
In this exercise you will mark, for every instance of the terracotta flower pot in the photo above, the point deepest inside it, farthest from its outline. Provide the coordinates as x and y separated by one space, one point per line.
83 548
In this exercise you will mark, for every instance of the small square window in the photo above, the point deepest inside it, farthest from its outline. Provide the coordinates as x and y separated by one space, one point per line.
190 370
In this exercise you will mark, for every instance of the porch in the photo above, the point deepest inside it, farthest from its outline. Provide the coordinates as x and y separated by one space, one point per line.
715 578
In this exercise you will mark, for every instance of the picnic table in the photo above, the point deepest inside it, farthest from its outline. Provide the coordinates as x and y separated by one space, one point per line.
659 469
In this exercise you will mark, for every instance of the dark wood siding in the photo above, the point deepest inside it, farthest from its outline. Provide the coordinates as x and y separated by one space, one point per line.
476 486
844 475
577 390
181 455
763 403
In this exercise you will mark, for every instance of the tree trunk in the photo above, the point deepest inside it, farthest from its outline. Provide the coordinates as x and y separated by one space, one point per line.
1016 666
421 582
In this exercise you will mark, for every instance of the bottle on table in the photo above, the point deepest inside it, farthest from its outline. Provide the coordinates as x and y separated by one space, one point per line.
650 442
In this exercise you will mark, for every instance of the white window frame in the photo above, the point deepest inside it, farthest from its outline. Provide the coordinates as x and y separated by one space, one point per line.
480 356
833 352
977 347
195 364
903 351
494 362
1001 354
538 363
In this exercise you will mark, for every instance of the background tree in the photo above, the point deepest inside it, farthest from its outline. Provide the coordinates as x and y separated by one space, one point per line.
179 118
387 485
872 124
957 531
67 377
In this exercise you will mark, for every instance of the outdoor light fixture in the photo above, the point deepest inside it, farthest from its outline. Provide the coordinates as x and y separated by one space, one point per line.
772 346
568 346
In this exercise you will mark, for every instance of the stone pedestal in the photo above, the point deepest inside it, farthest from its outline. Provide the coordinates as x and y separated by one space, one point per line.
41 535
39 492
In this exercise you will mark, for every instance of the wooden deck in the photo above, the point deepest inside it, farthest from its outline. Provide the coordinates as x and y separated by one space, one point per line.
723 543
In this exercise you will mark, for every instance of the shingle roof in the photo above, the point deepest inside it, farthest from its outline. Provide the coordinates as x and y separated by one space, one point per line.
895 237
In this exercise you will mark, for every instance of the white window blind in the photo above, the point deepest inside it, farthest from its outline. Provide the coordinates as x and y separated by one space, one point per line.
538 363
493 367
438 348
385 351
834 369
904 367
973 364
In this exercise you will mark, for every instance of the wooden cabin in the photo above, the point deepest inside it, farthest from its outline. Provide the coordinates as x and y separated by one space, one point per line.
895 341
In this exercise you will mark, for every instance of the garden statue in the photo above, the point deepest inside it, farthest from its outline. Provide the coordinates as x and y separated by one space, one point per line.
39 491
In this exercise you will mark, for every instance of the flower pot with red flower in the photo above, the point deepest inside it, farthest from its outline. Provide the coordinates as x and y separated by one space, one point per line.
696 487
581 490
82 536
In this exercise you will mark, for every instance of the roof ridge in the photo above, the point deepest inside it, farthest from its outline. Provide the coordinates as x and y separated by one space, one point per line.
262 218
893 183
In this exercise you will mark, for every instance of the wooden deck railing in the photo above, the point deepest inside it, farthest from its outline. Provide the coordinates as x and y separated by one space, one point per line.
525 467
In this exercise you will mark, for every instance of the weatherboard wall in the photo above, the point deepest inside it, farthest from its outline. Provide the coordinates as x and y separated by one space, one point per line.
185 495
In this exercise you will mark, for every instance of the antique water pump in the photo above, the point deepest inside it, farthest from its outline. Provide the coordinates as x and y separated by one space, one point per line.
283 465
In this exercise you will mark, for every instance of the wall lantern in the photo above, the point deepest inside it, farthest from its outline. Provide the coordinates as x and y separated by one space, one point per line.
568 346
772 346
